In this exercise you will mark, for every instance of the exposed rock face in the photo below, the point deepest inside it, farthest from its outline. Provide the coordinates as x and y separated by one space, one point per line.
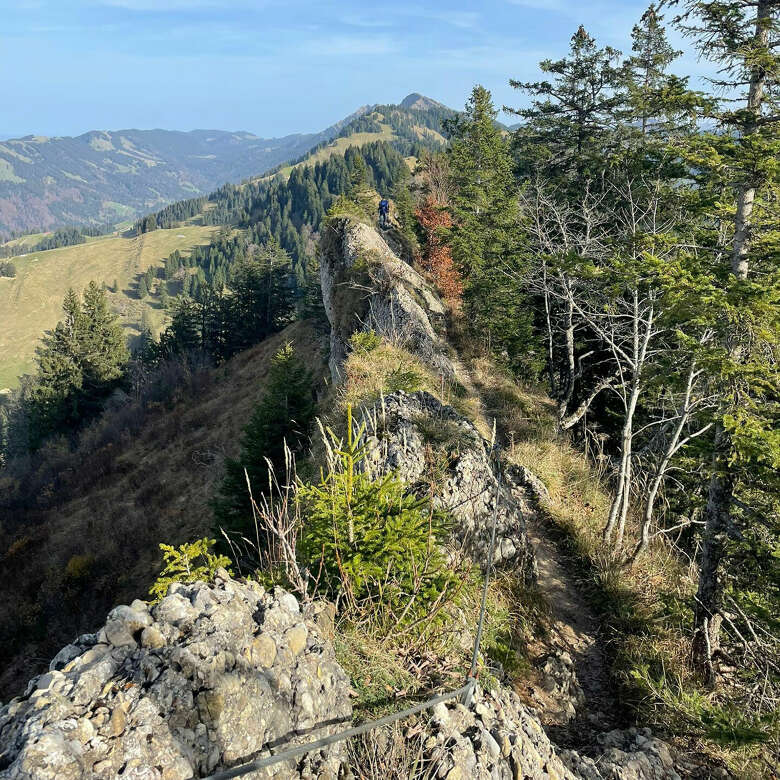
499 738
633 754
199 682
466 474
365 285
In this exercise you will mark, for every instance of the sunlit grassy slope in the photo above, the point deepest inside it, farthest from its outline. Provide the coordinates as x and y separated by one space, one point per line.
31 302
340 145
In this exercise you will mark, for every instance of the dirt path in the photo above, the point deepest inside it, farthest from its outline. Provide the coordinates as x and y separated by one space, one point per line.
574 640
574 630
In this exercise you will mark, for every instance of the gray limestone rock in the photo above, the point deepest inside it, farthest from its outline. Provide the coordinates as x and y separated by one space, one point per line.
398 432
245 669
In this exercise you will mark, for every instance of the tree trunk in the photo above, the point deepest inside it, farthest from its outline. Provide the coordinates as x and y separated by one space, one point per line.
550 339
709 594
673 445
747 191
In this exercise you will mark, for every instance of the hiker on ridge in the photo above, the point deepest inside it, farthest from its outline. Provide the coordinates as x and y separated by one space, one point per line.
384 213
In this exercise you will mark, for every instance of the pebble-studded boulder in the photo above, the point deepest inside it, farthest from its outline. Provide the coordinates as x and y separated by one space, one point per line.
210 677
499 738
398 437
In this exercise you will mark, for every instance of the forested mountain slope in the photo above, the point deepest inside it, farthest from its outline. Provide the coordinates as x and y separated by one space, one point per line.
103 177
286 206
109 176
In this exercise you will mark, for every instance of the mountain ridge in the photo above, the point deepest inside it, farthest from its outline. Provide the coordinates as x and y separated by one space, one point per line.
108 176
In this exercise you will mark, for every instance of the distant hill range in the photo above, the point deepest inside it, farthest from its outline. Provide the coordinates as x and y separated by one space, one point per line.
105 177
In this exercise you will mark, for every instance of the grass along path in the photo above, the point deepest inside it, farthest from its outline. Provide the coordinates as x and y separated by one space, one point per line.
573 626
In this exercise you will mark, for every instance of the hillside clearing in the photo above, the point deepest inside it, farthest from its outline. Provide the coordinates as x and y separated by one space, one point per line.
31 302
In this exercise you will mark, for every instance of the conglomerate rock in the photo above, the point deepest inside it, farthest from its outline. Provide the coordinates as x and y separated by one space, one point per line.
202 681
499 738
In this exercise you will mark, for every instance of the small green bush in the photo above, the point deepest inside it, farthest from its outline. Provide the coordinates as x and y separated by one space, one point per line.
364 341
79 568
191 562
407 379
374 545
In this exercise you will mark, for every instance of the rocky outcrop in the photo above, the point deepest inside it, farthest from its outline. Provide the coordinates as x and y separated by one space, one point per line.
414 434
365 285
217 675
499 738
204 680
633 754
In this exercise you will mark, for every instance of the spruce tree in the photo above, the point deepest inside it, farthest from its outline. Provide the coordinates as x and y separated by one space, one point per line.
79 363
483 187
484 236
284 415
569 131
658 102
51 397
739 182
143 289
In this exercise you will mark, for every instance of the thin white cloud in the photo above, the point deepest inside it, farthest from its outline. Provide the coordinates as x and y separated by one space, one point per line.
542 5
350 46
369 22
164 6
395 16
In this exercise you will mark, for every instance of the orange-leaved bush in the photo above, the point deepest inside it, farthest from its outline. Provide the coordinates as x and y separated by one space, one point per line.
436 258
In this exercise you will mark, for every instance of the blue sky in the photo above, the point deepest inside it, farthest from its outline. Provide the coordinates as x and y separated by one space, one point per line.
274 66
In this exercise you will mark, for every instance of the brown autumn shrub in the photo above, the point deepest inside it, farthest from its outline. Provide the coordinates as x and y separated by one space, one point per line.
436 258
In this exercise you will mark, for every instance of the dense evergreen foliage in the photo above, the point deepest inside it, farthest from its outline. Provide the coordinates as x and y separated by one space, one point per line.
60 238
633 255
257 298
80 363
281 420
171 215
291 211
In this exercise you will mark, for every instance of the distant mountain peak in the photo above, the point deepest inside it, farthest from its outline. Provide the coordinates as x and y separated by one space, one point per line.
420 102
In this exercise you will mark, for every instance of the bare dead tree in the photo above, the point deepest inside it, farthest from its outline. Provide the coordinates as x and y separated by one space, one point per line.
564 236
684 411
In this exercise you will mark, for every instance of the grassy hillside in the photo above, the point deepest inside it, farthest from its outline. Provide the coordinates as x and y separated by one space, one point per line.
141 476
340 145
31 302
